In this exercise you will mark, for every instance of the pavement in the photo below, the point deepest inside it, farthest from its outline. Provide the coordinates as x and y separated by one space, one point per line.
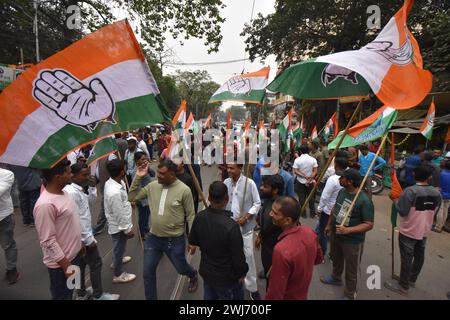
433 282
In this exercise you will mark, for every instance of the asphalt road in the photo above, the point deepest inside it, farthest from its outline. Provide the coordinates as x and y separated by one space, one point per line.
433 283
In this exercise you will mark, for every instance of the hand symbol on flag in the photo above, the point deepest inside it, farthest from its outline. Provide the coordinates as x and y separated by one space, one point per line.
73 101
239 85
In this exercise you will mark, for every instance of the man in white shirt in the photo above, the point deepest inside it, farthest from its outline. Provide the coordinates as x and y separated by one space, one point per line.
142 145
118 214
76 190
7 225
328 199
245 216
130 164
305 169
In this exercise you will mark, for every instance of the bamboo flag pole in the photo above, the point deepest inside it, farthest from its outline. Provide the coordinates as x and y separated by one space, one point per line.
365 179
358 108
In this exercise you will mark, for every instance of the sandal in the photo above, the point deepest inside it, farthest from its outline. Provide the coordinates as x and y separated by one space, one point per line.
193 284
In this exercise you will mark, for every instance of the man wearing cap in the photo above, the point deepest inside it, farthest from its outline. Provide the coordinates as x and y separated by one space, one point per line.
347 241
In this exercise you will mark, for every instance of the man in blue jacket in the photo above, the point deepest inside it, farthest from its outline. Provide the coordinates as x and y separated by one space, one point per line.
365 159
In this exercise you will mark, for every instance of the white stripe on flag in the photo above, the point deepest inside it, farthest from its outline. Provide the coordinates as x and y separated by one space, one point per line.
124 80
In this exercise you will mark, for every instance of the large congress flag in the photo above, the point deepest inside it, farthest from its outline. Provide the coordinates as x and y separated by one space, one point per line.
97 86
248 87
391 66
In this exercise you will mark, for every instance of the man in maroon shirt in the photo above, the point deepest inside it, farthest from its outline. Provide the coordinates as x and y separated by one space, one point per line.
295 254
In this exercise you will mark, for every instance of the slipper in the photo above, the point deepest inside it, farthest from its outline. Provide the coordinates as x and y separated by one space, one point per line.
395 287
331 281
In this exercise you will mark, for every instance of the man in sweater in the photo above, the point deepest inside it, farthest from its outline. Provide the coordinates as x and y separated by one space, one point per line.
222 265
59 230
171 207
416 207
365 159
7 225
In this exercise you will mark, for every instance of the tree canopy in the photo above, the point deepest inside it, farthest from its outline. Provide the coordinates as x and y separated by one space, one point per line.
154 19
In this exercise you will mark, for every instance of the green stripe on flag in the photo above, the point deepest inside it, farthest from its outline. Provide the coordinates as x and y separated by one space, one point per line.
101 149
130 114
310 79
254 95
376 130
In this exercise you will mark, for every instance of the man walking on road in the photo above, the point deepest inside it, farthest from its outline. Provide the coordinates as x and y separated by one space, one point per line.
118 212
416 206
244 203
222 265
7 225
305 168
81 179
171 207
295 254
59 230
365 159
347 241
271 188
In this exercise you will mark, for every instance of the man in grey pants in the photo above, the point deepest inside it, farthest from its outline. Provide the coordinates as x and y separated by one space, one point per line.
29 182
7 225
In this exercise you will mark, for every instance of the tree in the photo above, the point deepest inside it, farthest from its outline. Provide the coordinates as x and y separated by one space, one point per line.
299 30
154 19
196 87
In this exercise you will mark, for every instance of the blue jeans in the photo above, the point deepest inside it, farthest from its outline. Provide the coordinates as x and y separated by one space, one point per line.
58 282
174 248
320 231
119 245
144 214
232 292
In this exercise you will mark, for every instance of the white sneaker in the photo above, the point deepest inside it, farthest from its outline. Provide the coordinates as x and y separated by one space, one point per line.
108 296
124 260
124 278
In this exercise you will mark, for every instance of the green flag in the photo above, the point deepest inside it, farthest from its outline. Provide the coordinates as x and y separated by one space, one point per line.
102 149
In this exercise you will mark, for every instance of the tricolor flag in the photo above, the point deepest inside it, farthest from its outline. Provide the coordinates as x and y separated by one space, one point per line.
330 128
97 86
427 126
208 121
369 129
314 134
191 124
261 131
391 66
179 120
102 149
248 87
247 127
285 128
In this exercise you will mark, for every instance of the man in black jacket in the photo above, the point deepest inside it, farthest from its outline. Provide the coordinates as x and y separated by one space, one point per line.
271 188
222 265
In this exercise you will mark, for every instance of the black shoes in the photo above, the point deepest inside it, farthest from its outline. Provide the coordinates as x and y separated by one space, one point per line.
12 276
